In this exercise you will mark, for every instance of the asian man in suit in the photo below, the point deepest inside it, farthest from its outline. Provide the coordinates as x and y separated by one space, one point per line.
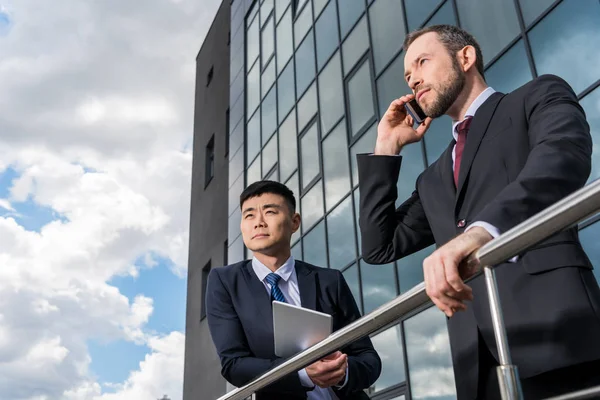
510 156
239 306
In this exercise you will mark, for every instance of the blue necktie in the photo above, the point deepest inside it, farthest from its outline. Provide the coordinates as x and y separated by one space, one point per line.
276 294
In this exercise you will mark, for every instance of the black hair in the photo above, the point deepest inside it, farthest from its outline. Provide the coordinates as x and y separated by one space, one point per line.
261 187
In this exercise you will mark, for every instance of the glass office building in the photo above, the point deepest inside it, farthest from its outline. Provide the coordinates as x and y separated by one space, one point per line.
309 80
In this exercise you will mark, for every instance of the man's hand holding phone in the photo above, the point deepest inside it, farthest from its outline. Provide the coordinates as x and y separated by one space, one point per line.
395 130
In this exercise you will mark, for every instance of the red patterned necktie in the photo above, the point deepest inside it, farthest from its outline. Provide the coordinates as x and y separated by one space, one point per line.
462 129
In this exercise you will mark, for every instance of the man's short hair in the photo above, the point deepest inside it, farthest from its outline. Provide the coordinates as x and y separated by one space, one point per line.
261 187
453 38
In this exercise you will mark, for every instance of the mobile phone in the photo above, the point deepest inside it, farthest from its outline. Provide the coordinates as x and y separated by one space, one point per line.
415 111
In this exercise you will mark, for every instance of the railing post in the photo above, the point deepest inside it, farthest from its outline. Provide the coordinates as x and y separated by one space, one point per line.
508 375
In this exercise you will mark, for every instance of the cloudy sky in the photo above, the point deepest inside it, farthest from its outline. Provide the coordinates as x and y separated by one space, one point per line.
96 118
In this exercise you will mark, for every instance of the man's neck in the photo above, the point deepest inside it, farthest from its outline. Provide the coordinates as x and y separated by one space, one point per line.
465 99
275 261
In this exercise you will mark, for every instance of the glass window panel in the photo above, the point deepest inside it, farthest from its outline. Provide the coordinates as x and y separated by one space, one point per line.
326 29
438 137
309 153
268 77
292 184
410 269
252 42
285 48
388 345
340 235
417 11
351 277
428 353
312 207
273 175
493 23
412 166
510 71
235 252
315 252
391 84
387 31
591 105
236 139
233 225
236 87
379 284
280 7
269 154
301 4
234 194
589 240
336 171
302 24
253 143
445 15
269 114
355 45
236 166
318 6
297 251
366 144
268 42
253 89
285 89
350 11
253 12
265 10
307 107
331 94
305 64
560 43
360 96
288 147
253 172
533 8
356 195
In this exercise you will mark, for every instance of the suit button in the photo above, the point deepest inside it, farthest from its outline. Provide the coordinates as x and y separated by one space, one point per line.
461 223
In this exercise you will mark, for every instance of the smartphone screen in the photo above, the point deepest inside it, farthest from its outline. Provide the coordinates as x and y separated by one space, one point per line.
415 111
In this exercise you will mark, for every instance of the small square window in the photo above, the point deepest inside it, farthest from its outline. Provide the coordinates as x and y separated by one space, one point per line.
209 76
210 161
205 272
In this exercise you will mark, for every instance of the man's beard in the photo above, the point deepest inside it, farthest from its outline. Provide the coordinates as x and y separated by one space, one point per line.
448 92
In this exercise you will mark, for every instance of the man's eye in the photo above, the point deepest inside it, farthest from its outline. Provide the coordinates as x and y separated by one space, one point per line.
422 61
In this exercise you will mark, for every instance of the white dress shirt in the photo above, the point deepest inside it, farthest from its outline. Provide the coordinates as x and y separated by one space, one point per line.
288 284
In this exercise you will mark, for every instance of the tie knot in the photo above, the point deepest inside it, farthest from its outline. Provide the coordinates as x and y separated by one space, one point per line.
463 127
273 279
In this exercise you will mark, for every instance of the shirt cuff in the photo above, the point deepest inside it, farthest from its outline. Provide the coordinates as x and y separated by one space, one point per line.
345 381
305 379
492 230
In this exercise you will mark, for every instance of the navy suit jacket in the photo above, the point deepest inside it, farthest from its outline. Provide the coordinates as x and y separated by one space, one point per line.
240 318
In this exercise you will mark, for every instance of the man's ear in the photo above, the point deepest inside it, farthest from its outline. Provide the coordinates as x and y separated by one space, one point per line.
467 58
296 219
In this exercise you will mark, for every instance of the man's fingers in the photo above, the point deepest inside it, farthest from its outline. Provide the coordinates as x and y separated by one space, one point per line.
460 290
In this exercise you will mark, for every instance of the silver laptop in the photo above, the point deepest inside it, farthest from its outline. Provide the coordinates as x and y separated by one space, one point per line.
296 328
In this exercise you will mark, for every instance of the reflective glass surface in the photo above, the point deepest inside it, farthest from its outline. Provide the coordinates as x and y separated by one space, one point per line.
445 15
532 9
428 353
285 88
268 42
351 277
307 106
253 89
331 94
336 171
305 64
253 143
265 9
280 7
318 6
410 269
360 97
253 172
391 84
233 226
510 71
285 49
292 184
312 206
252 42
297 251
302 24
388 345
269 114
268 77
591 105
326 31
379 284
387 31
417 11
355 45
340 235
438 137
349 11
315 252
309 155
269 155
366 144
560 43
288 147
236 165
412 166
234 194
356 195
235 252
493 22
589 240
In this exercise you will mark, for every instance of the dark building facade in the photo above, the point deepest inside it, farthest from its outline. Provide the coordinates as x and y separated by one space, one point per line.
208 232
309 80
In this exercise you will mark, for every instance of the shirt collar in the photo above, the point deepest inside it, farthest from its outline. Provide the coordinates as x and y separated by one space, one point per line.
483 96
285 271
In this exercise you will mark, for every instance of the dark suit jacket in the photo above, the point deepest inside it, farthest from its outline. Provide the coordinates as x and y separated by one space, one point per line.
524 151
240 319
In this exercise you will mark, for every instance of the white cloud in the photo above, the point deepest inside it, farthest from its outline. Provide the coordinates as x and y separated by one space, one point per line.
96 112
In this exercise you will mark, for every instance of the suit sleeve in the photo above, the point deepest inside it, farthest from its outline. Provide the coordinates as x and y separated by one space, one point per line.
388 233
238 365
364 364
559 161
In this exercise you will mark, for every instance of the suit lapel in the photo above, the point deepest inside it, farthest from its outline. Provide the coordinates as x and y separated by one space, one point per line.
479 126
447 171
260 297
307 285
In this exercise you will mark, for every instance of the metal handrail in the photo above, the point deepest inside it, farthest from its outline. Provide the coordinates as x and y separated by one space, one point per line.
564 214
